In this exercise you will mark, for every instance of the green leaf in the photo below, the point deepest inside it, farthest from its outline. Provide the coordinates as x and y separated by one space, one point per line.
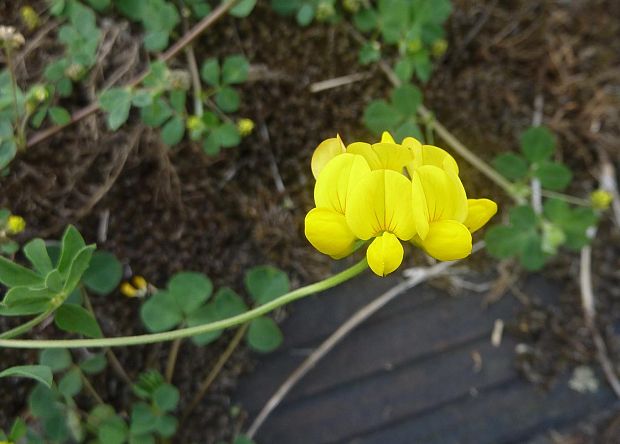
13 275
408 129
211 145
532 257
305 14
243 8
178 97
142 419
53 281
36 252
166 397
406 99
379 116
112 431
40 373
18 430
28 308
99 5
228 303
502 241
173 131
103 274
157 78
166 425
71 383
227 135
537 144
19 296
156 114
94 364
511 166
235 69
117 103
370 52
404 69
8 150
75 319
264 335
266 283
556 210
57 359
155 41
523 217
365 20
210 71
190 290
43 402
422 65
553 176
59 115
204 315
78 267
71 244
142 98
161 312
227 99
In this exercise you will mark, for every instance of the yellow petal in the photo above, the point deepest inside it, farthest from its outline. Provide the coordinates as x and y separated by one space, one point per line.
447 240
384 155
385 254
387 137
437 195
326 151
431 155
381 201
336 180
479 211
328 232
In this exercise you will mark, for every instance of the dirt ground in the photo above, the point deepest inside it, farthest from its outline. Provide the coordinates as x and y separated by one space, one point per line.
172 210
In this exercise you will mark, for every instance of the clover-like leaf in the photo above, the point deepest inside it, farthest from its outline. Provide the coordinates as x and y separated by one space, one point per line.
57 359
40 373
190 290
75 319
264 335
103 274
161 312
537 144
266 283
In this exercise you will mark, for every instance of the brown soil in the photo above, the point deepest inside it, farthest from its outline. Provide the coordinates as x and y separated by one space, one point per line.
172 210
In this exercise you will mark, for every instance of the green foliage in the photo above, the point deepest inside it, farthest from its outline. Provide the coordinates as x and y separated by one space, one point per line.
264 335
40 373
307 10
266 283
36 290
398 115
103 274
73 318
533 238
537 147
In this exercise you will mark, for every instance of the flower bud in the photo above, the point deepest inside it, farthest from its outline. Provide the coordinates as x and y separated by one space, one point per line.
15 224
245 127
601 199
30 18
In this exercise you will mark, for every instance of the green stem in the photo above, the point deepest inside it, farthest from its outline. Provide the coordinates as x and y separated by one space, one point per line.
329 282
27 326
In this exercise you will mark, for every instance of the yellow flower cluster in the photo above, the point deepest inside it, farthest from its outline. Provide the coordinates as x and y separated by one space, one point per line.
389 193
15 224
137 288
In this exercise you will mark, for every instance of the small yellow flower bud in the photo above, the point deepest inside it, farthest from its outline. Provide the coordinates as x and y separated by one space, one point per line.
325 11
439 47
38 94
15 224
30 17
351 5
601 199
194 123
128 290
139 282
245 127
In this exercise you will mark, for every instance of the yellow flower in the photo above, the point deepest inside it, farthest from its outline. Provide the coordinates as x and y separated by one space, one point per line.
444 217
601 199
439 47
15 224
137 288
245 127
325 226
30 17
326 151
379 207
363 193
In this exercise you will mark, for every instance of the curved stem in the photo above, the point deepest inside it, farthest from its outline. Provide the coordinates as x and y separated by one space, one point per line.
27 326
330 282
